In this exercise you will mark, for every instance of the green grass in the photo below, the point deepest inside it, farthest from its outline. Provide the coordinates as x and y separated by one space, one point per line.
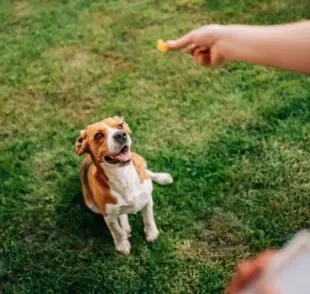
235 139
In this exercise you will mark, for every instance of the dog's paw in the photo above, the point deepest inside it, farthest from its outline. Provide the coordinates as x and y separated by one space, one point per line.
123 247
151 233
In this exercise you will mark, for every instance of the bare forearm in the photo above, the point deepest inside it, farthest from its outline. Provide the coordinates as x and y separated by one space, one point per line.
283 46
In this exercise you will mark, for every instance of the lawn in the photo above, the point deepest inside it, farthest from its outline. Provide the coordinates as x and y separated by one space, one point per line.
236 140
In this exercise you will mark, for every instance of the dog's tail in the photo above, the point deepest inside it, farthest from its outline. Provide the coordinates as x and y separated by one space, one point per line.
160 178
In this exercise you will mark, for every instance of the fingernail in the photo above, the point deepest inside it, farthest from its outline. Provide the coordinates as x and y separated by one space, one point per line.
170 43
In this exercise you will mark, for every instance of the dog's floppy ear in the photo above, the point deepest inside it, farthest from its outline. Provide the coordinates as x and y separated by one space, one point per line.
126 127
81 144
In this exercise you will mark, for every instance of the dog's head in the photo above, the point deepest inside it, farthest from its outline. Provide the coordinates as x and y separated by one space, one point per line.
107 141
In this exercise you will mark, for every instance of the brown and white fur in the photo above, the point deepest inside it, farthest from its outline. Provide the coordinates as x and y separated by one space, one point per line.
116 181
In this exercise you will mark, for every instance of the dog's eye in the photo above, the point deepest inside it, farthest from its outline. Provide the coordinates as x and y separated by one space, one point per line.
120 126
98 136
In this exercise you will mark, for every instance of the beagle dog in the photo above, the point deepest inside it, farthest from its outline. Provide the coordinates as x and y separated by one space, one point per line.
116 181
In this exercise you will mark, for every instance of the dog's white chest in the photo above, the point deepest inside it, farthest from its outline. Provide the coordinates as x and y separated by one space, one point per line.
131 195
135 205
135 201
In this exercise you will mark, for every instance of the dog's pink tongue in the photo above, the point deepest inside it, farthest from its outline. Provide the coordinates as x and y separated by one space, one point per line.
124 156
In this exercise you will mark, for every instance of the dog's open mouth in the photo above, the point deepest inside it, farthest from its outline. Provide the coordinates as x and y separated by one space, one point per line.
123 157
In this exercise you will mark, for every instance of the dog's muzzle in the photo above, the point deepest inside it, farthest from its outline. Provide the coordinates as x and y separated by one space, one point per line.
120 137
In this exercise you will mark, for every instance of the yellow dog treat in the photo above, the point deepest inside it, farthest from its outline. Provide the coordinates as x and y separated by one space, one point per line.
162 46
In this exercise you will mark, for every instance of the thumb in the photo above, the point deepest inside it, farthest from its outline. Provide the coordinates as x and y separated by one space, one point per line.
180 43
215 56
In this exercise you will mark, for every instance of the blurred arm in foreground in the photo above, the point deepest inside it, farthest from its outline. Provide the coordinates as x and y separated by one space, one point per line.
249 270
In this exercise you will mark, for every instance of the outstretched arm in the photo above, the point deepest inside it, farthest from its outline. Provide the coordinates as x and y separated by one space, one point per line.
284 46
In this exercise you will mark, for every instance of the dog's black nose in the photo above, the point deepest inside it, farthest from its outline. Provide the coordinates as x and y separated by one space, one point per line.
120 137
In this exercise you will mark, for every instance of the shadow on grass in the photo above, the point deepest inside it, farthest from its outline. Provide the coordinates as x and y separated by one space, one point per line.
74 218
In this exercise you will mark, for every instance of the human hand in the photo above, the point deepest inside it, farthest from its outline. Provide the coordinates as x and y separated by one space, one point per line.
249 270
206 44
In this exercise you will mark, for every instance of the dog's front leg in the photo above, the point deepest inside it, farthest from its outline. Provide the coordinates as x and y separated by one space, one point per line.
150 228
123 220
120 237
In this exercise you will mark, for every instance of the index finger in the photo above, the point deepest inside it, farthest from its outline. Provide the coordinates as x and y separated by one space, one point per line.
180 43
